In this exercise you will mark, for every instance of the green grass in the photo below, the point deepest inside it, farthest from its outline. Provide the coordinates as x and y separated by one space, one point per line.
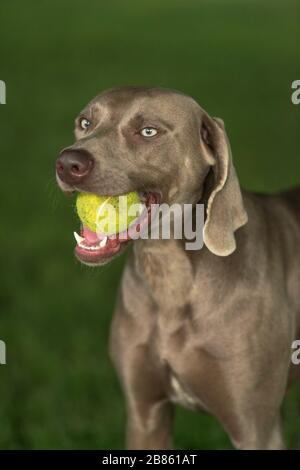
238 58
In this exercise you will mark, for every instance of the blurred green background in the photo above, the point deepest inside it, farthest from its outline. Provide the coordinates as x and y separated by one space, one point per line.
238 59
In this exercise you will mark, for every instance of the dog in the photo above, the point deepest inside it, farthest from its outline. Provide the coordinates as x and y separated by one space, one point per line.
209 329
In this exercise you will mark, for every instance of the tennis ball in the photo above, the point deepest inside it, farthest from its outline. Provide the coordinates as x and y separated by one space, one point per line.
108 214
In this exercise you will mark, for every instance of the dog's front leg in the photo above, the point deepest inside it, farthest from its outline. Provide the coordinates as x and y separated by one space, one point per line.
141 371
149 413
149 424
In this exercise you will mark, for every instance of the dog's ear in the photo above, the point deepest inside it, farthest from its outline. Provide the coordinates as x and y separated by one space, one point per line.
225 211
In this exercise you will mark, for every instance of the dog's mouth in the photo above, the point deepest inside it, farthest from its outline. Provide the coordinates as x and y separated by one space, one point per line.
94 249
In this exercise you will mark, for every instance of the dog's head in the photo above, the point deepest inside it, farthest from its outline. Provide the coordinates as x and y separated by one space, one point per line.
160 143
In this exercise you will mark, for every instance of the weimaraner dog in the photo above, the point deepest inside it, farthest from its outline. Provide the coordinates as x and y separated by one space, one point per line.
210 329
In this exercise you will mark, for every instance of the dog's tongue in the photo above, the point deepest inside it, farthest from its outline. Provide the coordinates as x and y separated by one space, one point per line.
90 236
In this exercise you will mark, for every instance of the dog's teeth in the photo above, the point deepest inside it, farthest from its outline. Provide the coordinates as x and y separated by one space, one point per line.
80 241
78 238
103 242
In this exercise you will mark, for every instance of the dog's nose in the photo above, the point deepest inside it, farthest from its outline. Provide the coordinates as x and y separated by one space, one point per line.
73 166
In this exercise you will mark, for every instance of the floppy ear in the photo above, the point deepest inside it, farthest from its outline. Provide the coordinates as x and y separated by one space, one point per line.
225 212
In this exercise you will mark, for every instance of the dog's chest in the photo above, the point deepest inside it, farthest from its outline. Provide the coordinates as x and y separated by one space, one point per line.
168 273
175 330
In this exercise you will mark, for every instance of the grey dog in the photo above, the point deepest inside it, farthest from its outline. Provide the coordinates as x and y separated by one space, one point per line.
209 329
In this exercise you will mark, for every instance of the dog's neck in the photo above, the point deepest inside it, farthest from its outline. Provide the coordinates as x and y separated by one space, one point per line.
166 269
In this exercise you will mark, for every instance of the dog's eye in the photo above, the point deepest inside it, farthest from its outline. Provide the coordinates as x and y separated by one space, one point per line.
84 123
148 132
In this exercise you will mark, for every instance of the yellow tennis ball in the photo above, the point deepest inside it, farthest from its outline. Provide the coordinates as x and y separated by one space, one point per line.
108 214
